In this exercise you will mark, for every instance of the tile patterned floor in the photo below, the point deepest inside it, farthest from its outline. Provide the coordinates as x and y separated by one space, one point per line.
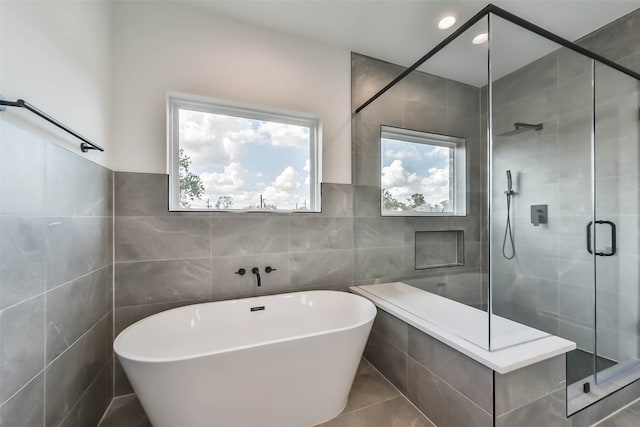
628 417
373 402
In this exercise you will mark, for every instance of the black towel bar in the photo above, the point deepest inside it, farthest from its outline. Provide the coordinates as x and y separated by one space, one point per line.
86 144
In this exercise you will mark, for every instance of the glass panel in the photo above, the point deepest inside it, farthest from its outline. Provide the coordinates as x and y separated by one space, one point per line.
617 133
434 113
541 274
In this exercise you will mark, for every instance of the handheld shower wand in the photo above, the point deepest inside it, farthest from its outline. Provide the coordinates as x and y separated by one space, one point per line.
507 230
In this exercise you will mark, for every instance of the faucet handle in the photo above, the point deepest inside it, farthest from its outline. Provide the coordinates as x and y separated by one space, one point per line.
269 269
241 272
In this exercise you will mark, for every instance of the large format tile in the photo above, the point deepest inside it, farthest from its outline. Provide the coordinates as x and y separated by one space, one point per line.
162 238
394 330
125 411
21 345
378 232
319 233
623 418
69 375
388 359
152 282
76 246
75 307
369 75
548 411
94 402
337 200
237 236
76 186
141 194
309 269
369 387
454 368
366 201
523 386
22 259
26 408
443 404
391 413
378 263
228 284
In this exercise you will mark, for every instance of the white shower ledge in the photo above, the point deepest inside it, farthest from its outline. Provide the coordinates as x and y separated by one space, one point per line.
465 328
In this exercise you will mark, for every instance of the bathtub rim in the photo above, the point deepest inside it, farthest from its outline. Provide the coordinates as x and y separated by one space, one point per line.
366 302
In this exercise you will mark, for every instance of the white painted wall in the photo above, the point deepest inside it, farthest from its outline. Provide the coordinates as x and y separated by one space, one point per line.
162 46
56 55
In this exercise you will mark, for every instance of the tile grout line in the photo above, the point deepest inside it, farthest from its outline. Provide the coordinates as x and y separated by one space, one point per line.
77 340
454 388
399 392
611 415
43 293
85 391
23 387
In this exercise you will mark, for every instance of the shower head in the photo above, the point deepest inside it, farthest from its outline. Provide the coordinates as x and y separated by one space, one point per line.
521 128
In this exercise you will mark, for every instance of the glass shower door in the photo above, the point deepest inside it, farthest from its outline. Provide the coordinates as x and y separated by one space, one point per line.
617 225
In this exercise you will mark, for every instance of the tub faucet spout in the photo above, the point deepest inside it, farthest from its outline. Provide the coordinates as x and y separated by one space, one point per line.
256 271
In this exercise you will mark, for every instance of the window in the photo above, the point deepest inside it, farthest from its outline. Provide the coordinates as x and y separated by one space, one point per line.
228 156
422 173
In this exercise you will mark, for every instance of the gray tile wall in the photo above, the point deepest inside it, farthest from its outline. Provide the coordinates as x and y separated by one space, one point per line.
550 283
432 375
384 247
454 390
164 260
55 282
532 396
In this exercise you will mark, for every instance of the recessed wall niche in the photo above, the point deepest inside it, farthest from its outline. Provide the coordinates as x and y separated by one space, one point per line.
436 249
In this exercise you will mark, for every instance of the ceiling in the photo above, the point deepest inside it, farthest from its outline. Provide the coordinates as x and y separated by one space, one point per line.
402 31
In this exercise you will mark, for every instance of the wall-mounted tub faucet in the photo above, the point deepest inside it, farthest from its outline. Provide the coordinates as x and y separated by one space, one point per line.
256 271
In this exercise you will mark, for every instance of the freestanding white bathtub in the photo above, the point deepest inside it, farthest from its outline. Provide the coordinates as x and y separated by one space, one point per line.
272 361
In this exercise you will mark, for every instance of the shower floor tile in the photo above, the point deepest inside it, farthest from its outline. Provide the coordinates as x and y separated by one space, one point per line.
373 402
580 365
628 417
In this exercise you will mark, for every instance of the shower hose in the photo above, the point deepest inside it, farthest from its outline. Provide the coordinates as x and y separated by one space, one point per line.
507 231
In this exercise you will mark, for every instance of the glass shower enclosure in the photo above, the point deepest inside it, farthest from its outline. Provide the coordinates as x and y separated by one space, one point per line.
545 232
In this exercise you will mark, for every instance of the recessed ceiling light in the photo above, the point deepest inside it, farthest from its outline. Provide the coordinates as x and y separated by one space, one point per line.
480 38
447 22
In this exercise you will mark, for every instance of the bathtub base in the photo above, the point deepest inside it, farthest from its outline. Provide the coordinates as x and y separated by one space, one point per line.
292 384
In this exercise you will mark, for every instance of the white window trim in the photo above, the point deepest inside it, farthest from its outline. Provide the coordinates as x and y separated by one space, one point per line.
458 176
178 100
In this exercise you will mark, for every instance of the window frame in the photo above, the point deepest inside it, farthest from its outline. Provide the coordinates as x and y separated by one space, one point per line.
177 101
457 168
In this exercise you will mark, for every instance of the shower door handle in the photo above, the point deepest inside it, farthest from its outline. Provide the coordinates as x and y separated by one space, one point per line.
612 225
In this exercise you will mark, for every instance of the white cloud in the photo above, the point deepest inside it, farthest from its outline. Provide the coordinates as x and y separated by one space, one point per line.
400 154
307 169
214 139
284 135
287 180
402 184
234 178
395 175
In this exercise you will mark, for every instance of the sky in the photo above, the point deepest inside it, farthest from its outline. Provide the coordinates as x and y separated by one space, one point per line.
245 158
409 167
